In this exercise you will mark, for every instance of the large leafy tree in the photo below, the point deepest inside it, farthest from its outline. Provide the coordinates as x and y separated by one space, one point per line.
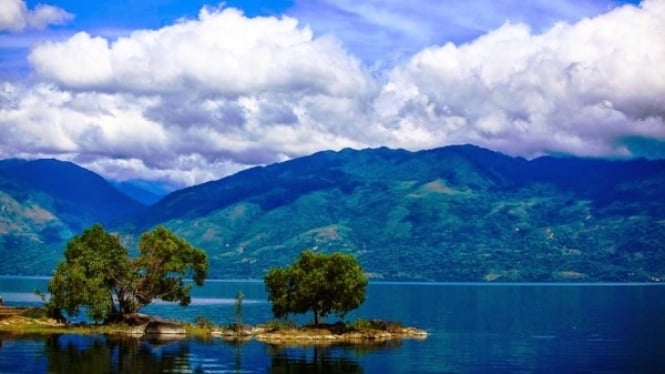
96 265
99 274
320 283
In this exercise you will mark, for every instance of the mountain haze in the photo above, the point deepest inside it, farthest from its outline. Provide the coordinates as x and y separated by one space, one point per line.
454 213
139 191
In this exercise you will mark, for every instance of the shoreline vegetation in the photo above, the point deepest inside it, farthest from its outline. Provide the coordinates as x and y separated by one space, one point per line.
34 321
99 275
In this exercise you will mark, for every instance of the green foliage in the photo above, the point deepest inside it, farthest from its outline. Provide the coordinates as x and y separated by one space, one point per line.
35 313
203 323
449 214
278 324
316 282
95 264
164 260
363 325
360 324
98 270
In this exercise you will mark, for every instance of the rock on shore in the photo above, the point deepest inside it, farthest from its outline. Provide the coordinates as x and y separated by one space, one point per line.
164 328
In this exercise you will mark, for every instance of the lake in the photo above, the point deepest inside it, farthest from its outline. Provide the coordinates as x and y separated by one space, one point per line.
474 328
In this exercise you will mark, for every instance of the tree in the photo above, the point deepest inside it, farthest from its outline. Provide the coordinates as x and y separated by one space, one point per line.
96 265
316 282
238 307
164 260
98 272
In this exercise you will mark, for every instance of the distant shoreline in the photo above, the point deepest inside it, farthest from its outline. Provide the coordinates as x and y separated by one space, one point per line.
415 283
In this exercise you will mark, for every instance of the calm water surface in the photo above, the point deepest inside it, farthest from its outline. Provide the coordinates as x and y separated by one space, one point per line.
474 328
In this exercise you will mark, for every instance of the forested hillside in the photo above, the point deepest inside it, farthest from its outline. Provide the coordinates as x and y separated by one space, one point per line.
454 213
43 203
458 213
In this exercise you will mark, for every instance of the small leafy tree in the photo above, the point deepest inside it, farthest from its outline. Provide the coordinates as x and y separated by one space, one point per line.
164 260
238 307
316 282
98 271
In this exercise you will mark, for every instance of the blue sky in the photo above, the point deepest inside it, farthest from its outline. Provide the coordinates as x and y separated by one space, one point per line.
371 38
186 91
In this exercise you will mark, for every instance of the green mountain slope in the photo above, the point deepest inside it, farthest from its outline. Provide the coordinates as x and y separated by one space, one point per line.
43 203
454 213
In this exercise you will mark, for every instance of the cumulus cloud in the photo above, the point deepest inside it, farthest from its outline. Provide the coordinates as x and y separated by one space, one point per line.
205 97
222 52
15 16
108 133
222 89
576 89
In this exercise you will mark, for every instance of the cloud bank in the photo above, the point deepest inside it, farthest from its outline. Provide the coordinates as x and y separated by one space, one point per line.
575 89
16 17
205 97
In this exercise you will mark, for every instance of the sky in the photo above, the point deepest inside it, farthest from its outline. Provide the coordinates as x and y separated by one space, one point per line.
182 92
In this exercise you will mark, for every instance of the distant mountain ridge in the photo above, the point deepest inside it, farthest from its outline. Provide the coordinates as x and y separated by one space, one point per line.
139 191
453 213
43 203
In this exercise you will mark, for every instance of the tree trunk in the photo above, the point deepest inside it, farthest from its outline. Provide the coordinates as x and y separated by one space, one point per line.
316 318
113 309
124 302
113 313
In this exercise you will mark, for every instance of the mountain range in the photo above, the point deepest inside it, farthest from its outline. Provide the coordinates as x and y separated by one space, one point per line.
458 213
43 203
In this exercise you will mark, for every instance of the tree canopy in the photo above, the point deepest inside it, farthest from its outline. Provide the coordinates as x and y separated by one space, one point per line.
320 283
98 273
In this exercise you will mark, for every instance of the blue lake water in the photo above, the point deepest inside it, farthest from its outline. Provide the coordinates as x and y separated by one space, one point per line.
474 328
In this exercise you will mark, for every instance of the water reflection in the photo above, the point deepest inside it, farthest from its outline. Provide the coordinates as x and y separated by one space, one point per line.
313 360
324 359
237 345
107 354
67 353
473 328
117 354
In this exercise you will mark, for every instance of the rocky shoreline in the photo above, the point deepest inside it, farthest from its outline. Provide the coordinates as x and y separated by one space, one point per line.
324 334
318 337
30 321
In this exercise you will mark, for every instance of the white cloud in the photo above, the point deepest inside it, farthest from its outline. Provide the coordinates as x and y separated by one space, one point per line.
222 52
203 98
574 89
15 16
222 90
44 119
80 61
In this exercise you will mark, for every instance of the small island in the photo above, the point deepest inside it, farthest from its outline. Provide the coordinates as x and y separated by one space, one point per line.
99 275
360 331
35 321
